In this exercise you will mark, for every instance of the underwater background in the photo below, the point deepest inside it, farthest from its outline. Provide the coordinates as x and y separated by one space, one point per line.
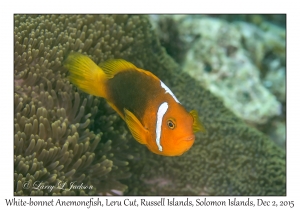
230 68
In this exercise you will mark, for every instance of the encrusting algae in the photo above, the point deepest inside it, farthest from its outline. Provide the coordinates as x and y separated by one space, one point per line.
65 135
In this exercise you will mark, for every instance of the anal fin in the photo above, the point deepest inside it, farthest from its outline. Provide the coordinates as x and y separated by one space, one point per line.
116 109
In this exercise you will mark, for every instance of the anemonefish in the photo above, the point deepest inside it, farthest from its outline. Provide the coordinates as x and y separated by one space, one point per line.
153 114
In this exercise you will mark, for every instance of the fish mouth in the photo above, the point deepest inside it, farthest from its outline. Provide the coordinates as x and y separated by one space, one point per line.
188 138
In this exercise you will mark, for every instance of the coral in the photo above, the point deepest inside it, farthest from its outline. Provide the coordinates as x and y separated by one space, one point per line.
64 135
170 37
242 63
218 60
255 19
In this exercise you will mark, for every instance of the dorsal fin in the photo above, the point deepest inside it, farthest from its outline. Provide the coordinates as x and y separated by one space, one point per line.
115 66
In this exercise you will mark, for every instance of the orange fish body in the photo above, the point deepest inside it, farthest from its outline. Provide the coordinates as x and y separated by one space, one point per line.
151 111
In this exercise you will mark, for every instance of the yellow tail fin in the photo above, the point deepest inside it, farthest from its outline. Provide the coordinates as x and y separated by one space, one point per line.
86 75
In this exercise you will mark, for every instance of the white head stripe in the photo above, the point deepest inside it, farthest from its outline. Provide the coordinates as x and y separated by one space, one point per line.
168 91
162 109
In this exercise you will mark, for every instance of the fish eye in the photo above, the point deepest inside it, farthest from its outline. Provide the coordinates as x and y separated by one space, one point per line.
171 124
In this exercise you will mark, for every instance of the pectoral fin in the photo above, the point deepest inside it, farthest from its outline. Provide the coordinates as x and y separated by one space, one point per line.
135 126
197 126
